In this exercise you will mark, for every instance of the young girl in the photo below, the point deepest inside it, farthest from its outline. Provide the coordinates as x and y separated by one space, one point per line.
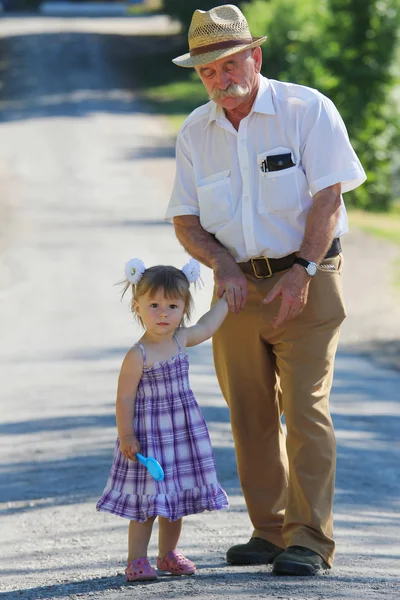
158 416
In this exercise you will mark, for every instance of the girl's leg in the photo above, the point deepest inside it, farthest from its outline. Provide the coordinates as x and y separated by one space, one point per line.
138 538
168 535
169 560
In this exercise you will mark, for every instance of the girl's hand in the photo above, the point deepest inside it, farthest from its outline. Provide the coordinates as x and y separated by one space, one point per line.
129 447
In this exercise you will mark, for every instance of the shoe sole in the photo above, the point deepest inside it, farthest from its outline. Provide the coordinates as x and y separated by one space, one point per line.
171 574
298 570
140 579
253 559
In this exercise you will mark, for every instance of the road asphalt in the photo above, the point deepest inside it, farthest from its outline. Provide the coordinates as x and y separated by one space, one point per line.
85 175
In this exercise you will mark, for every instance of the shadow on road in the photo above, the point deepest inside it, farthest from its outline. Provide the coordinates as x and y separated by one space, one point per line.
73 74
368 452
223 579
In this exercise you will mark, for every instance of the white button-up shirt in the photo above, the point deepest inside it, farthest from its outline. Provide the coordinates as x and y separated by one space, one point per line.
253 188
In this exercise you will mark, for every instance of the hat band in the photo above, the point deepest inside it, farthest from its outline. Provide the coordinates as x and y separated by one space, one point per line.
220 46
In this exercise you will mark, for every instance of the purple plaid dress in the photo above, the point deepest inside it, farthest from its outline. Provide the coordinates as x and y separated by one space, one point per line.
170 427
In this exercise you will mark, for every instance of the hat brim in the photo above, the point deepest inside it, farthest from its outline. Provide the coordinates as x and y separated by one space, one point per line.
186 60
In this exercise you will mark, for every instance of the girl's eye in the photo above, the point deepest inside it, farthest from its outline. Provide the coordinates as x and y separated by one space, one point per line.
154 305
173 306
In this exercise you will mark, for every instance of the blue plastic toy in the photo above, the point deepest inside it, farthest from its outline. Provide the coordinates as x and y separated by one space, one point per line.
154 467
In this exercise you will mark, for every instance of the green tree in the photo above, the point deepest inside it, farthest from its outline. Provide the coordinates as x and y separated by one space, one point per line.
295 29
346 49
362 36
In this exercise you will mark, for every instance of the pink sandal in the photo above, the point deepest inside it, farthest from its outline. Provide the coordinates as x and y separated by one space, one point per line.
176 564
140 570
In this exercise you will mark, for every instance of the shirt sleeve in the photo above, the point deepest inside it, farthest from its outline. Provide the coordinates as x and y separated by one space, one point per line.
183 199
327 155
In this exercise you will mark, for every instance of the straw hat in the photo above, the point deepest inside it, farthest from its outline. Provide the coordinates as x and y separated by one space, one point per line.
215 34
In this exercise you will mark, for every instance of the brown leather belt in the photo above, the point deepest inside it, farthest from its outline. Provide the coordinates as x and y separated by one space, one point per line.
263 267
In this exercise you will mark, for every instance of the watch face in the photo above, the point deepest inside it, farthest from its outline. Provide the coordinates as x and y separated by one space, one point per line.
311 269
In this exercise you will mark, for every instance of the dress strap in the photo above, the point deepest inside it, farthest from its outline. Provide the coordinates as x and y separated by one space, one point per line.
179 346
143 352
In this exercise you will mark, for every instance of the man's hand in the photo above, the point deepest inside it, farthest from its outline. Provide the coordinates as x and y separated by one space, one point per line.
293 291
129 447
203 246
230 279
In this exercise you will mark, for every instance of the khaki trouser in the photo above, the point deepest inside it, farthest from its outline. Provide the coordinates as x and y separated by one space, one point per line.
287 481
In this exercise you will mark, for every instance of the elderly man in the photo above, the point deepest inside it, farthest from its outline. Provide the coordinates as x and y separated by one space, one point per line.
260 171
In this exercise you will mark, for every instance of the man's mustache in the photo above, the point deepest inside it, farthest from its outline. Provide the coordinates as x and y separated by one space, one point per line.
234 90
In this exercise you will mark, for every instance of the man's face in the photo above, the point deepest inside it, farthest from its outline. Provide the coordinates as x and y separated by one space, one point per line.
236 75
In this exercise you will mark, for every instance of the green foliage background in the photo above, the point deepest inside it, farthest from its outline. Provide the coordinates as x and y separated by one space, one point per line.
184 9
347 49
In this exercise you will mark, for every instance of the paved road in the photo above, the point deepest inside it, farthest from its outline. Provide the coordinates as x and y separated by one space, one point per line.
85 174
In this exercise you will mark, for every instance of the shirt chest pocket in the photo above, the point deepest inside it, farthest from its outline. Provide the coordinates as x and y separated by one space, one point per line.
215 201
278 181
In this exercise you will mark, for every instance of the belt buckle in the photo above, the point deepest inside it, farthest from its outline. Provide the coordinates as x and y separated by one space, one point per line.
252 260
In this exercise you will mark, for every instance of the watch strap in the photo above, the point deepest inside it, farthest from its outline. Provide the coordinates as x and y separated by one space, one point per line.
302 261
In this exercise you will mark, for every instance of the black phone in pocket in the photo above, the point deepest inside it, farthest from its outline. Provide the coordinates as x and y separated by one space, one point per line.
278 162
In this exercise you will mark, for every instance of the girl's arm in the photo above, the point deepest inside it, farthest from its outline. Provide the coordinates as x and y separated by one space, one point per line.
208 324
128 380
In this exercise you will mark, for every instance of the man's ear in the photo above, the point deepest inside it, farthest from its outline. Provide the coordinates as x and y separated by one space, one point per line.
257 56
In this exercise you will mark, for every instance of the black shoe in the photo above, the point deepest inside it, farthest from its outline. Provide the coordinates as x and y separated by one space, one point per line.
297 560
256 552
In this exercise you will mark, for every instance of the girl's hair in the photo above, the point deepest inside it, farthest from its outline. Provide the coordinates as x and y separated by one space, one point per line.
169 280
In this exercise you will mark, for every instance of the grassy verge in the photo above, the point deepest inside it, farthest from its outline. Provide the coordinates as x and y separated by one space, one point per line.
169 90
177 99
382 225
145 8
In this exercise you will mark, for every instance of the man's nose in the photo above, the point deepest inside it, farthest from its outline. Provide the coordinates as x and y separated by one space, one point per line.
223 80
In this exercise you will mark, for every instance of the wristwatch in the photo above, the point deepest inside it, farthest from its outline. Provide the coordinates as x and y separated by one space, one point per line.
310 267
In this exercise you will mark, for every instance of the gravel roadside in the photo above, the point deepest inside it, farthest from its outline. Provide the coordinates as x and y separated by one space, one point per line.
372 327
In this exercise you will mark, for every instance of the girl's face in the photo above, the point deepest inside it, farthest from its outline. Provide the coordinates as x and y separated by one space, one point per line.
160 314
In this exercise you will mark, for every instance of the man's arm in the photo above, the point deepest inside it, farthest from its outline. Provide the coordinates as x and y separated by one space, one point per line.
199 243
318 236
321 224
203 246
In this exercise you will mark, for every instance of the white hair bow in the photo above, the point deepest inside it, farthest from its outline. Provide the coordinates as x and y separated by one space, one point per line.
192 272
134 270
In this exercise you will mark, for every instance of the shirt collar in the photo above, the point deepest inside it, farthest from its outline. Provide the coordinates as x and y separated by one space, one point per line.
216 112
262 104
